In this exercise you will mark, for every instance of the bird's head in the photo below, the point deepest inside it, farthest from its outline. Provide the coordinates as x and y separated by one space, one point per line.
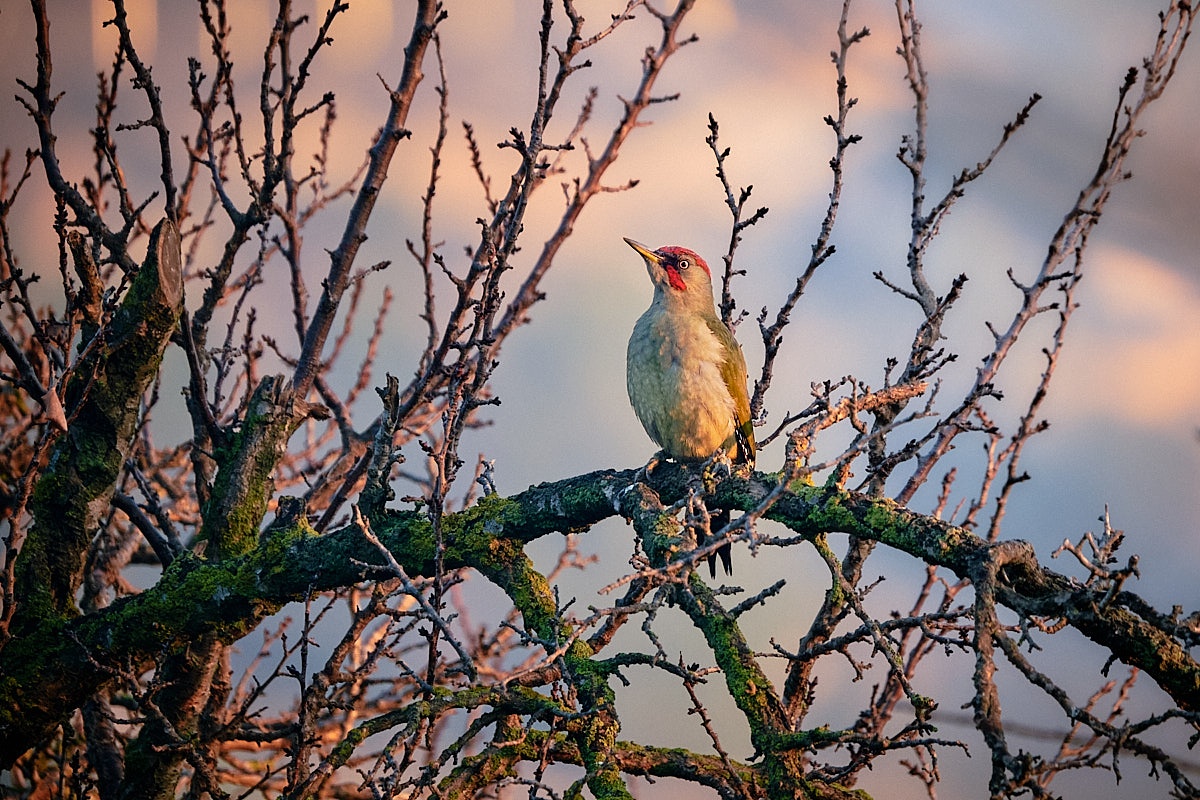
676 271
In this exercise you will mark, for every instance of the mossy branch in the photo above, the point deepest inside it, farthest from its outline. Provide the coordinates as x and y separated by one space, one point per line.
103 401
244 484
1023 585
53 669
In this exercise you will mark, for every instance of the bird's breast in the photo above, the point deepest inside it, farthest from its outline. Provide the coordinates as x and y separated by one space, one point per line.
676 386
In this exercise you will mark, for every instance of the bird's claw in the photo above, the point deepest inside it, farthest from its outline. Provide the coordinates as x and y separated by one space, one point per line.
716 469
643 474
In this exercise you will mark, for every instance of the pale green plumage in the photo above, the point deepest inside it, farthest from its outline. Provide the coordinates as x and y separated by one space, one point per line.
685 372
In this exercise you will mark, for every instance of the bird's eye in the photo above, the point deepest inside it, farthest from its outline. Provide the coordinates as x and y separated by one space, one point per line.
684 263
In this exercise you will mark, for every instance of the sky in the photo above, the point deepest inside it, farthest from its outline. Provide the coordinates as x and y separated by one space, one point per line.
1125 402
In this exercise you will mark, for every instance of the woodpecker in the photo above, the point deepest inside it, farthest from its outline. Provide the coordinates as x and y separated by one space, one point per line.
685 372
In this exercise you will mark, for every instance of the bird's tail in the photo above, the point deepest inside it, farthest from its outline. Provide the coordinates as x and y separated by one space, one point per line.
725 552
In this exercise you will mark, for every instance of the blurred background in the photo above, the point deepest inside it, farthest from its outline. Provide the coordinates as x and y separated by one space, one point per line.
1125 402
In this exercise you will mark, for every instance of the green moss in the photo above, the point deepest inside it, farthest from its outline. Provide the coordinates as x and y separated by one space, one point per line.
478 536
829 512
345 748
478 532
231 522
887 525
244 485
104 396
836 594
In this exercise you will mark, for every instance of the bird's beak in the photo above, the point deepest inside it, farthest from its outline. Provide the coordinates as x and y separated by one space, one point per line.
643 251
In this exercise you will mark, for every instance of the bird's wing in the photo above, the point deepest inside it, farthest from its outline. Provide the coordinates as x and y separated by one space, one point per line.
733 372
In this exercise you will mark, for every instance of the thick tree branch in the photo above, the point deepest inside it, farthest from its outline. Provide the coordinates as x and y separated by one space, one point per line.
69 660
103 402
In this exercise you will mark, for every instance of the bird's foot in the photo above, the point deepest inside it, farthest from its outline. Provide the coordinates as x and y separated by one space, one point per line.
643 474
716 469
